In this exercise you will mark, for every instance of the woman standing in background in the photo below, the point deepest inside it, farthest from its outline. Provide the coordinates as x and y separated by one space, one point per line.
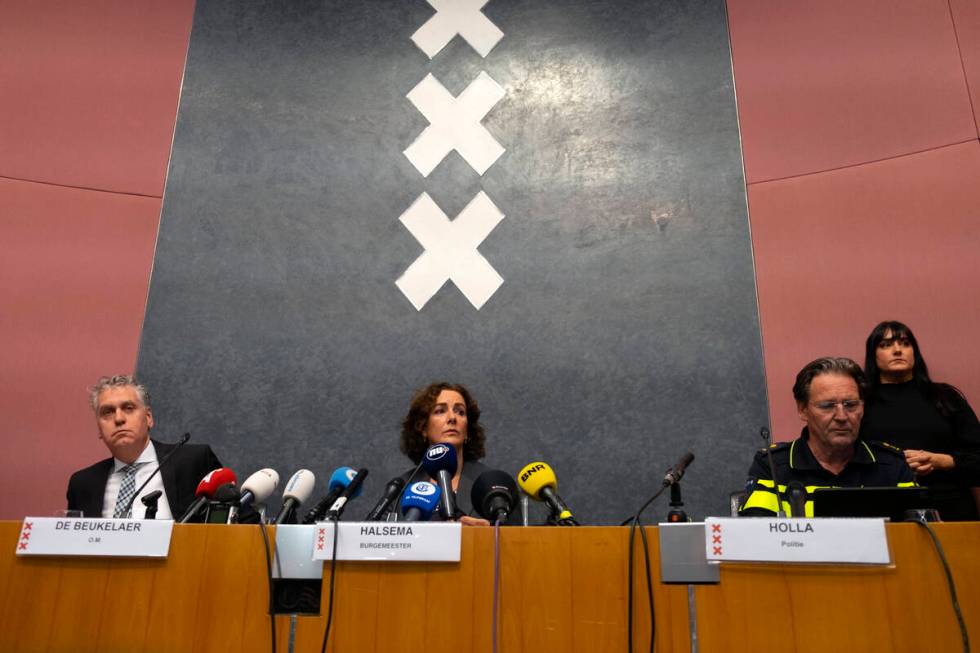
932 422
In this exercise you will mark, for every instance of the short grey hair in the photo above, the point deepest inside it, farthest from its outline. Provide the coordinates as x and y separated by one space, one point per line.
118 381
828 365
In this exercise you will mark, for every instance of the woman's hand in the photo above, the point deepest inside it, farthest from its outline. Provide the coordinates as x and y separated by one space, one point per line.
466 520
926 462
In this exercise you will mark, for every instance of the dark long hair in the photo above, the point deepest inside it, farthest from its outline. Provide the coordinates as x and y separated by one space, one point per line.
413 442
946 398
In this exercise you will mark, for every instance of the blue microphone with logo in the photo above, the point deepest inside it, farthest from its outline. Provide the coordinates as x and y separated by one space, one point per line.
439 462
420 501
339 480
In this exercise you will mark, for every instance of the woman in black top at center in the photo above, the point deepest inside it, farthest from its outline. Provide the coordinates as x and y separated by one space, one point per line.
931 421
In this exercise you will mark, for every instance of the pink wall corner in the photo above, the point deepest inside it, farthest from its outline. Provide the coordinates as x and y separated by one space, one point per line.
966 18
90 91
75 266
822 85
840 251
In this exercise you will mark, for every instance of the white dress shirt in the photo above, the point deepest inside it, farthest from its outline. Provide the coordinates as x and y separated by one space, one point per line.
149 458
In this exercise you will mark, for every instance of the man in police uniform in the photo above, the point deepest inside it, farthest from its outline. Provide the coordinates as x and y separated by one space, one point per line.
829 395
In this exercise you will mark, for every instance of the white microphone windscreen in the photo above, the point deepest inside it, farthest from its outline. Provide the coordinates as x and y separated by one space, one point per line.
262 484
300 486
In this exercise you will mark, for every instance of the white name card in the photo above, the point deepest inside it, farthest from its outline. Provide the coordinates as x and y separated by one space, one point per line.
395 541
762 539
133 538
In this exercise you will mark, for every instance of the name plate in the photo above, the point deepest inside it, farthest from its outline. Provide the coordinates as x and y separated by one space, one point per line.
395 541
761 539
132 538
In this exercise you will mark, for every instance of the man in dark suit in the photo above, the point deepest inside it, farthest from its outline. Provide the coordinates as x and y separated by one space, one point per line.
105 489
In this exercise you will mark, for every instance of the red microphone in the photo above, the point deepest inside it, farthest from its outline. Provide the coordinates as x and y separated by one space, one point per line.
206 489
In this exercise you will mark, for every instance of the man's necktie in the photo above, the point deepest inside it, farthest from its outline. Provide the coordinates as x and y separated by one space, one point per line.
126 490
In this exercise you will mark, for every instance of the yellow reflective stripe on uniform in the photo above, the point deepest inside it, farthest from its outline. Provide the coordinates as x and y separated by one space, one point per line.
766 498
868 449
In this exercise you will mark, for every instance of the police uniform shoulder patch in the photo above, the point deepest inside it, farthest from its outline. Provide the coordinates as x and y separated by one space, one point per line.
776 446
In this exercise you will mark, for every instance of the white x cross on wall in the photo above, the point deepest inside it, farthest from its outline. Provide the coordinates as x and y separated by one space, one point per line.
454 17
450 250
455 124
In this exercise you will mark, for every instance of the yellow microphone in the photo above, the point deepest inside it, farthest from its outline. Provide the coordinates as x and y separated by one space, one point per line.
538 481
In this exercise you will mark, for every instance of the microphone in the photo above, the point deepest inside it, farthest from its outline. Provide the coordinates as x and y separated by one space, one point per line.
675 473
222 504
129 506
392 490
440 463
205 490
259 486
150 501
797 499
352 491
539 482
420 501
764 433
494 495
341 478
298 489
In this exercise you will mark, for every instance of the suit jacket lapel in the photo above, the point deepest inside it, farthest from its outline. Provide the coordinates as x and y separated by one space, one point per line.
93 502
168 473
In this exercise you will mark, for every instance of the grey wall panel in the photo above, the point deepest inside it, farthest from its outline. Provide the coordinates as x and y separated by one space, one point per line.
626 329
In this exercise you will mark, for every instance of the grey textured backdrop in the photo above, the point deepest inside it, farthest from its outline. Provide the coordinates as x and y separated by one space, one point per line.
626 330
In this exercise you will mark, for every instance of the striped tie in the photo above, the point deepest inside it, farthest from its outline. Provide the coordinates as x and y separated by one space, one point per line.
126 490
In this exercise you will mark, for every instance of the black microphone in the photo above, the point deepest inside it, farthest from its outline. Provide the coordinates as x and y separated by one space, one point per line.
797 499
353 489
764 432
392 490
220 507
675 473
150 501
494 495
129 506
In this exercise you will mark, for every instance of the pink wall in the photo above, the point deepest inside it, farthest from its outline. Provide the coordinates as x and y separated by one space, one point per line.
859 134
89 100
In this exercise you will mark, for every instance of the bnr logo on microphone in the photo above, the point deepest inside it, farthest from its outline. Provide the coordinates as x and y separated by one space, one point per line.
351 473
530 471
424 489
436 452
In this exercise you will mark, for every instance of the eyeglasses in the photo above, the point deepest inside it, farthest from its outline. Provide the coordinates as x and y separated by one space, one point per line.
849 405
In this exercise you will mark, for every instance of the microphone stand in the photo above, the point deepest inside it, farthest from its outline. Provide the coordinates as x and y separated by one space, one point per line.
676 513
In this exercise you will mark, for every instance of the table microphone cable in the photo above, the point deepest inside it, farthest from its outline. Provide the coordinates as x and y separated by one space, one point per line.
964 636
634 525
333 577
496 578
268 571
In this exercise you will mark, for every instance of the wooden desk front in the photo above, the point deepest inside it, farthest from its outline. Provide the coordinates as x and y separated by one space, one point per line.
562 590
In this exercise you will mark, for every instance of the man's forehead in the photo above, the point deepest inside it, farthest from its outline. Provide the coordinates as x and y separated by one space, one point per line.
118 394
832 384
